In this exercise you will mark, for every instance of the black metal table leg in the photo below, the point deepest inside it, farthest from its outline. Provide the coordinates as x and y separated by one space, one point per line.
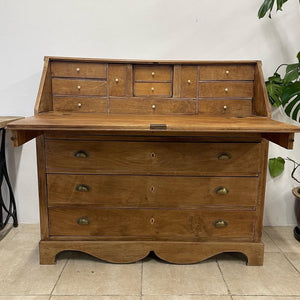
10 209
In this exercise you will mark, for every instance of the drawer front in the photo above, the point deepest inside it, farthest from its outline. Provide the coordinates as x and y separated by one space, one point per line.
226 89
226 107
118 80
78 69
152 157
78 87
152 73
79 104
151 223
152 89
188 86
141 106
227 72
150 191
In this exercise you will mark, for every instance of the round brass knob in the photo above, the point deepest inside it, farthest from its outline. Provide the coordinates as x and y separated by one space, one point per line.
152 89
225 107
189 81
153 73
227 72
226 90
78 69
153 106
79 87
117 80
79 105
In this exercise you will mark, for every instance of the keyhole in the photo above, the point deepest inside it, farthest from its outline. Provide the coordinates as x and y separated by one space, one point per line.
152 189
153 154
152 220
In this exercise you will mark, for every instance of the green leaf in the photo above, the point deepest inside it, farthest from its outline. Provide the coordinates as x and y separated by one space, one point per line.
276 166
292 73
290 91
280 3
267 5
298 55
296 110
274 87
291 105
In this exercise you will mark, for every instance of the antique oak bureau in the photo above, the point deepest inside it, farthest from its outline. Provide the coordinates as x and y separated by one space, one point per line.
162 156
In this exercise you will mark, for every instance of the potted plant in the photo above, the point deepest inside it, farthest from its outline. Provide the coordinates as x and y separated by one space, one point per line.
285 92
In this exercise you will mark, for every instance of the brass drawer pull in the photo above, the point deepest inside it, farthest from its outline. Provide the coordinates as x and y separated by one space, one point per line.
222 190
224 156
82 188
220 223
81 154
83 221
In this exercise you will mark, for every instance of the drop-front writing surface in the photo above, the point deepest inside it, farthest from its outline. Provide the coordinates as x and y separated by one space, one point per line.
140 156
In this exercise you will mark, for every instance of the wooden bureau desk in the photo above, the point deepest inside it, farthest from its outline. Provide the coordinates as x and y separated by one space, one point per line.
140 156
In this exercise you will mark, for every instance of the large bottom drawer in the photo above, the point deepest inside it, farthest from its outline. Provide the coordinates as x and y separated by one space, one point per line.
156 224
150 191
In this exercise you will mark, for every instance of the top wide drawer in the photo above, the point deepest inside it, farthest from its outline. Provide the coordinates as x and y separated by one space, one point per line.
173 158
78 69
152 73
227 72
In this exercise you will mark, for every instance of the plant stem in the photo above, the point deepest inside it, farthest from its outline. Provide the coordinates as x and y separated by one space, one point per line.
296 166
280 67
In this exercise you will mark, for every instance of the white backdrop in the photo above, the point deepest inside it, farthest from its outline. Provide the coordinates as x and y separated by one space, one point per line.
153 29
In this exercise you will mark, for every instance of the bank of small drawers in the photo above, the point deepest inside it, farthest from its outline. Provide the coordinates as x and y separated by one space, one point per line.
168 190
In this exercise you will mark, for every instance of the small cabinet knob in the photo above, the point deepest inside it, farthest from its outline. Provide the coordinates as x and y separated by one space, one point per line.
82 188
224 156
220 223
227 72
153 73
81 154
78 69
222 190
189 81
152 89
226 90
83 221
78 87
79 105
117 80
153 106
225 107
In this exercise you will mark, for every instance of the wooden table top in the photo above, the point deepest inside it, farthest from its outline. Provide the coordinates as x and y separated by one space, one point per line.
122 122
4 120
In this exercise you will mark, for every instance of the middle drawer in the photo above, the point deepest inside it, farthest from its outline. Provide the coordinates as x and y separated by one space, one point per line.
165 158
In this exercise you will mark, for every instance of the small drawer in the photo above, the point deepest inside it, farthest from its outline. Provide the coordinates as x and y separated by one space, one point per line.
230 108
229 89
168 158
142 106
227 72
79 104
183 224
152 89
151 191
78 87
152 73
78 69
188 86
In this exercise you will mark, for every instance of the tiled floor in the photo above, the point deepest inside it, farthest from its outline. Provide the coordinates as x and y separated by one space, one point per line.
81 277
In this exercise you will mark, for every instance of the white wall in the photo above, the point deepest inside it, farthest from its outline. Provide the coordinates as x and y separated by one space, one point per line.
153 29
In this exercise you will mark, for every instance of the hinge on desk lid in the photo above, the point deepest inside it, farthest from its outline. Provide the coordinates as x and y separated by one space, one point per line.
158 126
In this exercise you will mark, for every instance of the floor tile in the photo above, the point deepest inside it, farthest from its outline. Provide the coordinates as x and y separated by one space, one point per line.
269 244
7 233
95 297
276 277
25 297
294 258
26 232
21 272
185 297
265 298
164 278
85 275
283 237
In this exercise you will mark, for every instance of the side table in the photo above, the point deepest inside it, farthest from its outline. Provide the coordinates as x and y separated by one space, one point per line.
6 210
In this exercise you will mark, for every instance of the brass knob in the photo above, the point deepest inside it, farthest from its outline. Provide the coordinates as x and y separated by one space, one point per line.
224 156
83 221
222 190
153 73
152 89
189 82
225 107
220 223
226 90
153 106
81 154
79 105
117 80
152 221
78 69
82 188
79 87
227 72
